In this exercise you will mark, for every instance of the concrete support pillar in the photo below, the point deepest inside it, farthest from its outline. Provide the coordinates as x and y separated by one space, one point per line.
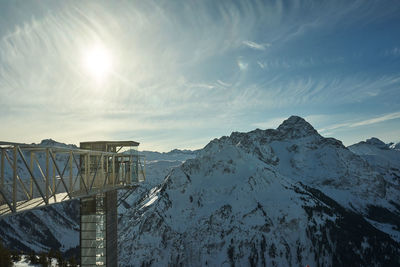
98 235
2 179
112 228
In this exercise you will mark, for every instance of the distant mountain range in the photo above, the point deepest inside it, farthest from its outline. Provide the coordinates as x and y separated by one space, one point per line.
176 154
277 197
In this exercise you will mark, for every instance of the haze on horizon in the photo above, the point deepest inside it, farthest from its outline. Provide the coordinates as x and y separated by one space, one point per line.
176 74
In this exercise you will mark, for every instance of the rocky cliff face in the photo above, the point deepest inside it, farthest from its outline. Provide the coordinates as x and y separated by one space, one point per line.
55 227
284 197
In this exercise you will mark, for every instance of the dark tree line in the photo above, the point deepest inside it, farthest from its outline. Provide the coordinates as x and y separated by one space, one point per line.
5 256
8 257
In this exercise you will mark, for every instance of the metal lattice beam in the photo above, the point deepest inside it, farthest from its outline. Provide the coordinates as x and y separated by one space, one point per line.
32 176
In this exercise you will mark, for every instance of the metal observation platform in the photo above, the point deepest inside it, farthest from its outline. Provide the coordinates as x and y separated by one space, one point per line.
33 176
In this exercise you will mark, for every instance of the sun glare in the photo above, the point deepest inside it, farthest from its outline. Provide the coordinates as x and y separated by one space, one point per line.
97 62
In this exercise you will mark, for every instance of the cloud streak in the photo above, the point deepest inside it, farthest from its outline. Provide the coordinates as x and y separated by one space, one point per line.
366 122
256 46
202 68
383 118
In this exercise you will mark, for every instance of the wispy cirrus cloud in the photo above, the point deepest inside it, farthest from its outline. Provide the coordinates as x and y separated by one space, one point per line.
359 123
224 83
256 46
192 70
383 118
262 65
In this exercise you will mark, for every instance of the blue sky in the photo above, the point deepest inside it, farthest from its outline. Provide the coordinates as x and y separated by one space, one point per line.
185 72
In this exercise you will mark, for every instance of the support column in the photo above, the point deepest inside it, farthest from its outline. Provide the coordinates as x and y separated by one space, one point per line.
101 173
70 173
98 235
14 185
88 181
113 170
47 176
2 173
53 167
31 168
111 228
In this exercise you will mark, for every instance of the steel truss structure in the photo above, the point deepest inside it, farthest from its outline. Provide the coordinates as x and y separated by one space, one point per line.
33 176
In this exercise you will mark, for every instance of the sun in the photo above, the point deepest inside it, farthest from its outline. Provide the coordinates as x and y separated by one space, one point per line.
98 62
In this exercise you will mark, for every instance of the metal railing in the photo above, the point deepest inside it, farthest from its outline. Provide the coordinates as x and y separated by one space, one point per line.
32 176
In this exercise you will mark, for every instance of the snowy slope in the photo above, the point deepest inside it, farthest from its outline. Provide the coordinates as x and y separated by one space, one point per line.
40 230
25 262
384 158
57 226
284 197
160 164
395 146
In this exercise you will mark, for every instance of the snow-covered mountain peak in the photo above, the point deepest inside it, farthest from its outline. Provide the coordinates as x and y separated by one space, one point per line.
51 142
297 151
384 157
259 141
285 197
376 142
175 154
395 146
296 127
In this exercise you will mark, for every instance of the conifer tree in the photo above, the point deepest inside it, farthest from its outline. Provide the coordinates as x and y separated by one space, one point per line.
43 259
5 256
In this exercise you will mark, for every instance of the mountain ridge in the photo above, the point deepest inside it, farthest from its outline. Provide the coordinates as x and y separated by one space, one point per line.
245 195
279 197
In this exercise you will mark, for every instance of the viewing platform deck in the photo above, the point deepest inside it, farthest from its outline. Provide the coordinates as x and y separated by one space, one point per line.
33 176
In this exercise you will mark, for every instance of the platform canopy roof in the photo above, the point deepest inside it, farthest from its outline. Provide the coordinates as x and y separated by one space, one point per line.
112 143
